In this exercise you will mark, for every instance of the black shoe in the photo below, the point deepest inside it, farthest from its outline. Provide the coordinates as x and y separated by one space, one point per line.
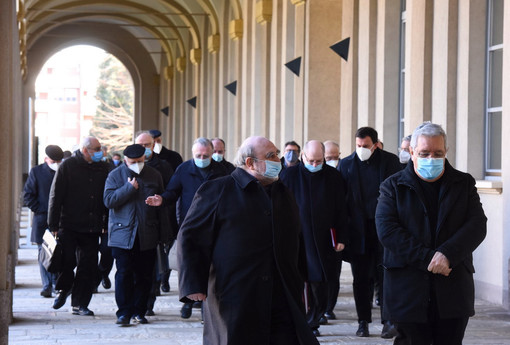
140 319
94 289
106 282
316 332
363 329
197 304
186 310
46 293
389 331
377 302
122 320
330 315
150 312
323 320
83 311
61 299
165 286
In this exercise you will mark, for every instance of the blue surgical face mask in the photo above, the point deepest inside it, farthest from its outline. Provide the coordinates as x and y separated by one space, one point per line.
96 156
272 169
148 152
218 157
291 156
116 162
312 168
430 168
202 163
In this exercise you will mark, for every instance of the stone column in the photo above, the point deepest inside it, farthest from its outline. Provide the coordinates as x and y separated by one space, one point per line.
444 73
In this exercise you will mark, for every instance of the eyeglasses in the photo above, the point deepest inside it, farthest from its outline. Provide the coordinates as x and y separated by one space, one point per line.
427 154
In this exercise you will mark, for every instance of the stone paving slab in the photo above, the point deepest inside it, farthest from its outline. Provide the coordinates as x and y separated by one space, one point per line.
36 323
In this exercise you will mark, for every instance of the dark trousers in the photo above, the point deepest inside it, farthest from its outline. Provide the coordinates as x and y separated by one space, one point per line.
106 260
133 279
318 300
334 286
79 250
363 266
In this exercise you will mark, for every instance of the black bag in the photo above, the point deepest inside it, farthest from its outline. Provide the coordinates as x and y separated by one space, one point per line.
162 258
50 255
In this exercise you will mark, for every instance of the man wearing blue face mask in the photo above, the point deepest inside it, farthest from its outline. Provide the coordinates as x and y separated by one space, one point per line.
76 211
429 220
290 156
319 192
241 251
188 177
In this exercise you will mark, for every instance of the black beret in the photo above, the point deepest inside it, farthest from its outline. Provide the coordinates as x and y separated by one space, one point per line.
155 133
134 151
54 152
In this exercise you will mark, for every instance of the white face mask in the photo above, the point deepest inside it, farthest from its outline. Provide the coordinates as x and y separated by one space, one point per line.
157 147
333 163
404 156
363 153
54 166
136 167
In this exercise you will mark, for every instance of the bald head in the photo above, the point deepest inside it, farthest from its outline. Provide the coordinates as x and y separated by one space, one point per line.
253 155
313 152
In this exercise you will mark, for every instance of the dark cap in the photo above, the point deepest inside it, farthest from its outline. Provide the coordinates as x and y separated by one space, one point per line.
155 133
54 152
134 151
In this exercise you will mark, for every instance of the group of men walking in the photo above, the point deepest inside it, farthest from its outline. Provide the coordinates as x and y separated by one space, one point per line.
262 244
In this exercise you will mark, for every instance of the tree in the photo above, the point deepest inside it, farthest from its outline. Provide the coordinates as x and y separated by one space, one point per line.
113 122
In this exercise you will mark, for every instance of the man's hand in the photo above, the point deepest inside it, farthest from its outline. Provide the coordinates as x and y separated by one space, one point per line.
133 182
155 200
197 297
339 247
439 264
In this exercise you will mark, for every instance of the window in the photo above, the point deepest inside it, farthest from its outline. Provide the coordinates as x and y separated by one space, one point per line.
401 84
493 99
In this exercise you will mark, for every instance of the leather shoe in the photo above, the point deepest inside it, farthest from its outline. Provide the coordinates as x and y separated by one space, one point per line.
330 315
150 312
316 332
165 286
197 304
186 310
389 331
363 329
106 282
140 319
83 311
323 320
122 320
46 293
61 299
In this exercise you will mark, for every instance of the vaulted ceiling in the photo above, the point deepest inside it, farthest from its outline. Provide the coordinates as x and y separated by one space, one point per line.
173 29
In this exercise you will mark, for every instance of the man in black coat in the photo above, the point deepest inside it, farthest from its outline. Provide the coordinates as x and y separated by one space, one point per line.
172 157
76 211
241 250
134 230
219 154
363 171
36 195
319 192
429 220
186 180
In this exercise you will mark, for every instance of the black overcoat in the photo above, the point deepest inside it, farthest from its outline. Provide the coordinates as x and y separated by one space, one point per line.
36 193
232 243
76 196
321 200
404 231
356 217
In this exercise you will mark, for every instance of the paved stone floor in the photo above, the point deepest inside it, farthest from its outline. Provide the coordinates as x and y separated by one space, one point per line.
35 322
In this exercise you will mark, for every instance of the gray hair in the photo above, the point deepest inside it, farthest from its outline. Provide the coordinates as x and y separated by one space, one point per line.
244 151
203 142
428 129
137 134
407 138
85 142
331 142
